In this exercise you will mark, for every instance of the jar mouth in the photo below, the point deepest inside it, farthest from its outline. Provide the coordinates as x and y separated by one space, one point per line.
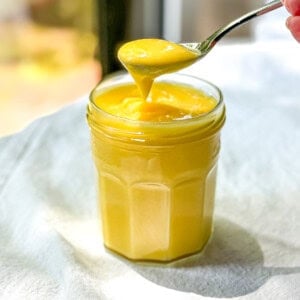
104 124
122 77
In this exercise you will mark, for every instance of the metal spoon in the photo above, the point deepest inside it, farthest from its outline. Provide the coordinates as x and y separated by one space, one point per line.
204 47
147 59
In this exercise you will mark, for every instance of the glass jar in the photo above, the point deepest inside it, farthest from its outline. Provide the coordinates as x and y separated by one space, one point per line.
156 179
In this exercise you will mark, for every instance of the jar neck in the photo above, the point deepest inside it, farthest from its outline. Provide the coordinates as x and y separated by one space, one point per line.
177 131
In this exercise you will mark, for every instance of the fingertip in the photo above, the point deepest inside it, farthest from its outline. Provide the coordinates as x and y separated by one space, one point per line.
292 6
293 24
288 21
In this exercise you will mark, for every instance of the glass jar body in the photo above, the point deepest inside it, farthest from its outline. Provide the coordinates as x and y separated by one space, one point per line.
156 193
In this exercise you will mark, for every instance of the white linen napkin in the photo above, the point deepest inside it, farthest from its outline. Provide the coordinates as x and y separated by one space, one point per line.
50 237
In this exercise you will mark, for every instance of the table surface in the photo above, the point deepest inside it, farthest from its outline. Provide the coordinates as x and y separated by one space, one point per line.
50 241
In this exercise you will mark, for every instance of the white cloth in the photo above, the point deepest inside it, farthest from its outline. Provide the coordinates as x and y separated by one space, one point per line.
271 26
50 241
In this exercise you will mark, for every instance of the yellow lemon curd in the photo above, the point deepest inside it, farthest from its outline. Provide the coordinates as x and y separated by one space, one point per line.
156 156
147 59
166 102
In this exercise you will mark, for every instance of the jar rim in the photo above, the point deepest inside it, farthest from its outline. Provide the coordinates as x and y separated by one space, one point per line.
117 77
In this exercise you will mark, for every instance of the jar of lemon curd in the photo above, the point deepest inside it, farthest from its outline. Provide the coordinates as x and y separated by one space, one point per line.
156 179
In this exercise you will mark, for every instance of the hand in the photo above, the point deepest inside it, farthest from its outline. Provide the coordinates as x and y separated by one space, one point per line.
293 22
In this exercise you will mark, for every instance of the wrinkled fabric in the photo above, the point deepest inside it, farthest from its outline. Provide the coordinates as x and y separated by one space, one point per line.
50 237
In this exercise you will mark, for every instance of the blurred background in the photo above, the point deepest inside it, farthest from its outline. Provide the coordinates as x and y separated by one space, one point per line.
54 51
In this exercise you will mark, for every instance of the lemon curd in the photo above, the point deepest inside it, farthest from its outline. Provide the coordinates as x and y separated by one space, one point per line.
147 59
157 164
167 102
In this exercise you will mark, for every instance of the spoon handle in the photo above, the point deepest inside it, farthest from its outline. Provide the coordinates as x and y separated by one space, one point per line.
215 37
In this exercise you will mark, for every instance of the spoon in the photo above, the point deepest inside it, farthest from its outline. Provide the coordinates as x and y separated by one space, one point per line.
204 47
147 59
153 57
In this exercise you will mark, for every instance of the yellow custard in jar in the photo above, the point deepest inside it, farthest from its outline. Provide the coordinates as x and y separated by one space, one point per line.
157 162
